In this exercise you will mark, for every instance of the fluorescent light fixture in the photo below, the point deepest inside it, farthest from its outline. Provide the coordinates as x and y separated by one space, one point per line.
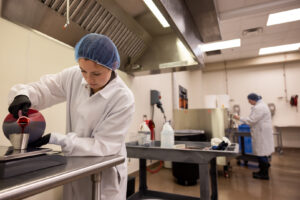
284 17
279 49
220 45
157 13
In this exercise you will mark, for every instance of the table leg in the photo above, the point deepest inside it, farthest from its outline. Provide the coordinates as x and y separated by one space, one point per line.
280 142
143 176
96 179
204 181
243 145
213 179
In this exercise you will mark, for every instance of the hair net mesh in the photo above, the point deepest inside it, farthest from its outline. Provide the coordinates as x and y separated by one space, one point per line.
254 97
98 48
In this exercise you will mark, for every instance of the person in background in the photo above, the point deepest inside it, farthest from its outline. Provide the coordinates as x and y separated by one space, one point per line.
261 133
99 110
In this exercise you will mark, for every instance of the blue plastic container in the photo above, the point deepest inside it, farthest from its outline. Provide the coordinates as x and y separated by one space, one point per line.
247 140
244 128
247 144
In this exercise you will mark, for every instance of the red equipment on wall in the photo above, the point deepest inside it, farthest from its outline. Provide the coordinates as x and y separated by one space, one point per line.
294 100
151 125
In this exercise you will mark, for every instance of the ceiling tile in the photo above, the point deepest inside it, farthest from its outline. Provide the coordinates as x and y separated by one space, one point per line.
229 26
269 38
253 21
279 28
232 56
228 5
249 47
251 40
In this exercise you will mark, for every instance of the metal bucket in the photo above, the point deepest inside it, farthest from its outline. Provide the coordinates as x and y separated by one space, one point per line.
19 140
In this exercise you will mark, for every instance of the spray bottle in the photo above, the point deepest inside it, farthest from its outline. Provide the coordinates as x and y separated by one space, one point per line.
144 134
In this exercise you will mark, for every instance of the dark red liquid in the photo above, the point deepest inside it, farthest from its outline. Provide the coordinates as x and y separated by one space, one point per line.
23 122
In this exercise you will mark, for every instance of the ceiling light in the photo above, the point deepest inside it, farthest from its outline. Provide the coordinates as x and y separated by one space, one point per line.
284 17
157 13
220 45
279 49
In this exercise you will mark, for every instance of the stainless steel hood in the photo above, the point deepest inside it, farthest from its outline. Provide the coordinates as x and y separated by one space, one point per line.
105 17
192 21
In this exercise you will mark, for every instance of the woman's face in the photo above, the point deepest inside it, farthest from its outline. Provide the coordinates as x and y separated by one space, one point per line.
95 75
252 102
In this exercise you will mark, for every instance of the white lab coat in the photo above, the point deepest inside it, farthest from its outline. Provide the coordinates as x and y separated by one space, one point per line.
261 129
96 125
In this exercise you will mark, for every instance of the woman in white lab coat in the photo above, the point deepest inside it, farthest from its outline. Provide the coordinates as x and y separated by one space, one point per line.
261 132
99 110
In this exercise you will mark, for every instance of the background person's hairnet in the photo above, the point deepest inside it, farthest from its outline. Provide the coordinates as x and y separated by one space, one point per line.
98 48
254 97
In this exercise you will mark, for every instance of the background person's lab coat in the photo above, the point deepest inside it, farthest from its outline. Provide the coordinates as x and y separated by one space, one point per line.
96 125
261 129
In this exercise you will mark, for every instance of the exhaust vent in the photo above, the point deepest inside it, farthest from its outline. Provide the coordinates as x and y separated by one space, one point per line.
213 53
93 17
251 32
86 16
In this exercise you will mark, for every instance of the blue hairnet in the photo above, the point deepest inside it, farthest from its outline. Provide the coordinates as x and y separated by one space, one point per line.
98 48
254 97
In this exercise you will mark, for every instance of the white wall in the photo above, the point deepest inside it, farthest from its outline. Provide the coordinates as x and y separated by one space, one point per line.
267 81
196 89
24 57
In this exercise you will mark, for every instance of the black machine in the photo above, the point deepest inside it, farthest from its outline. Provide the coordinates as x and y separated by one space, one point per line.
16 162
187 173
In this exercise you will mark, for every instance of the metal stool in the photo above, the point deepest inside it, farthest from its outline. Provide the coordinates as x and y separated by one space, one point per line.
279 141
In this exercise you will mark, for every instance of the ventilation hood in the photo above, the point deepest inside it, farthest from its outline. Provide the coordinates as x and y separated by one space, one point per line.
192 22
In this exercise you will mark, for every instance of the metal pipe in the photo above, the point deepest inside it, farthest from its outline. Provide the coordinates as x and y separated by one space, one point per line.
68 13
96 179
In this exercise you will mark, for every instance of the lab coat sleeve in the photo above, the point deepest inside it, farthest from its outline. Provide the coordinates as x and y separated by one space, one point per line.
109 134
255 116
48 91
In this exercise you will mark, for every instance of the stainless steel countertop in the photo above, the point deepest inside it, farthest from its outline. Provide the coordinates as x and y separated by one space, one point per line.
195 152
9 153
41 180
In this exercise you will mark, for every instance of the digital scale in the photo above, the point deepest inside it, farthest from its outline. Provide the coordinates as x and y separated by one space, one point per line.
14 162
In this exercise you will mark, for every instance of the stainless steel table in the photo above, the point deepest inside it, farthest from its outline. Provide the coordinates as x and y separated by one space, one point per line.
279 128
41 180
196 152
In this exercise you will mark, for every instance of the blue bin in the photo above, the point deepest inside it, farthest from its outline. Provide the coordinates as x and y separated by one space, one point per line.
244 128
247 140
247 144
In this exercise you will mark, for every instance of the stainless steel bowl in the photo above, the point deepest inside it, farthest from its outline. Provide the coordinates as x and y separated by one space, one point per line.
19 140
